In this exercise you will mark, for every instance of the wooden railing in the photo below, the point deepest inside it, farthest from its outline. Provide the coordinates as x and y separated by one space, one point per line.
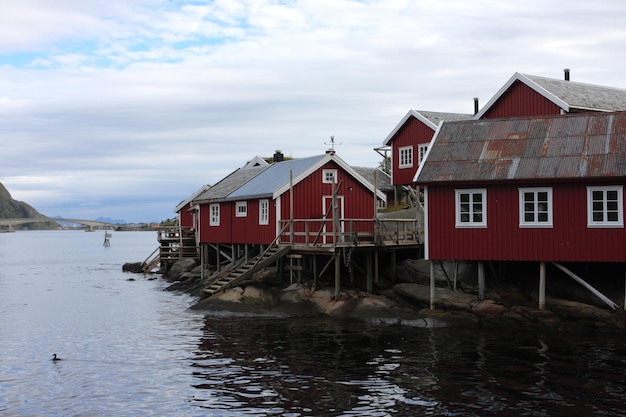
349 232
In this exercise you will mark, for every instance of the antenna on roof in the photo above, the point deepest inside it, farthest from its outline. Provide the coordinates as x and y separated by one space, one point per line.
332 145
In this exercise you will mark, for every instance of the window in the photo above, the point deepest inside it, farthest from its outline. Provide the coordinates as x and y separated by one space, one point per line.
535 207
329 176
406 157
421 152
605 206
471 208
214 210
264 212
241 209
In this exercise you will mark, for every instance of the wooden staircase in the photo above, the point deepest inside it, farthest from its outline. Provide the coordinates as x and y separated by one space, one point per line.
227 279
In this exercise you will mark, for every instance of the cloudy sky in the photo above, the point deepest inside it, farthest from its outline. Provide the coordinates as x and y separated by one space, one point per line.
123 108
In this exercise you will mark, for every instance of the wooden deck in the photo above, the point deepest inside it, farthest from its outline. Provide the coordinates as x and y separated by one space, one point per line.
325 233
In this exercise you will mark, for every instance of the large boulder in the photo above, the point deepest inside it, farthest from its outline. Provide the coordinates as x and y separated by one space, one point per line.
181 266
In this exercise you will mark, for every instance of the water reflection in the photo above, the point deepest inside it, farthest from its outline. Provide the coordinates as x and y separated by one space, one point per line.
310 367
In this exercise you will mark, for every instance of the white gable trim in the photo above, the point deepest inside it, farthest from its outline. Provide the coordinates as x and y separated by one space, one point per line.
410 113
522 78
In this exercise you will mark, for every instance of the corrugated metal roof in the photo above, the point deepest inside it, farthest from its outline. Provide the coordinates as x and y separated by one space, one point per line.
583 145
274 177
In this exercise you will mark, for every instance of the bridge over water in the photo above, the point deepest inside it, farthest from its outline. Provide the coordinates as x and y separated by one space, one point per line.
17 221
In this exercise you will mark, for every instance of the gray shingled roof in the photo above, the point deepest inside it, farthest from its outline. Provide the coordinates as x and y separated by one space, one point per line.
437 117
230 183
383 180
583 96
583 145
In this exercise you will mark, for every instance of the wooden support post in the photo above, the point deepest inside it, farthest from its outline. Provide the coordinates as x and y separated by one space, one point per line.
314 260
393 266
376 277
584 283
337 274
481 281
202 262
368 275
432 285
218 258
542 285
455 264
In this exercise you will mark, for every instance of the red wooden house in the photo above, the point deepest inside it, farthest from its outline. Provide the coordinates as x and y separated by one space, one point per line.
530 95
546 189
409 140
251 205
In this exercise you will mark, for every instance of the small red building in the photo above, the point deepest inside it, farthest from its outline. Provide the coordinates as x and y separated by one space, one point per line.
409 141
542 189
251 205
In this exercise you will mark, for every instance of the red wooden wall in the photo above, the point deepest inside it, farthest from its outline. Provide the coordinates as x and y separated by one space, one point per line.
520 100
568 241
185 217
412 133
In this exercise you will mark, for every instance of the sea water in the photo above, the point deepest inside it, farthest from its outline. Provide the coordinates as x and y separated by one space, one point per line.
129 348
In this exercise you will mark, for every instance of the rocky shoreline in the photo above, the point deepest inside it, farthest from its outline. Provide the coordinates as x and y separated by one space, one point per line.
402 303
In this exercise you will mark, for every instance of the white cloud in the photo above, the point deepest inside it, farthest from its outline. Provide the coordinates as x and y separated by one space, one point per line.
118 102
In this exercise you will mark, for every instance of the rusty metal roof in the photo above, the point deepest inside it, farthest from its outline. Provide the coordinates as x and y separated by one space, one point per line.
583 145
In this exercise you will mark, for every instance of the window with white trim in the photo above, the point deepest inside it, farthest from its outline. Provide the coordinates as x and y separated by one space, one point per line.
214 218
241 209
405 156
329 176
421 152
264 212
535 207
605 206
471 208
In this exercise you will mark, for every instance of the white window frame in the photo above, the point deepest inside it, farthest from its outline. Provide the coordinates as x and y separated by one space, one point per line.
241 209
460 223
214 214
536 210
422 148
405 157
613 206
329 176
264 212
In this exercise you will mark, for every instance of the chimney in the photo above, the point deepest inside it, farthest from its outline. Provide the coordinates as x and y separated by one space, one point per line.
278 156
566 71
475 105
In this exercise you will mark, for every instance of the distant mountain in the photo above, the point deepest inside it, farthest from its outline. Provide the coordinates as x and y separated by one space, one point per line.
10 208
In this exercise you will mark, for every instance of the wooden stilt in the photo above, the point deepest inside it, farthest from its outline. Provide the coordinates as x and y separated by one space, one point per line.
432 285
218 257
376 277
368 275
314 260
481 281
337 274
542 285
584 283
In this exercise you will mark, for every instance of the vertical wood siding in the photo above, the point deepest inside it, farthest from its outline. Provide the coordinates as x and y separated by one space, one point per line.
569 240
185 217
521 100
412 133
248 230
